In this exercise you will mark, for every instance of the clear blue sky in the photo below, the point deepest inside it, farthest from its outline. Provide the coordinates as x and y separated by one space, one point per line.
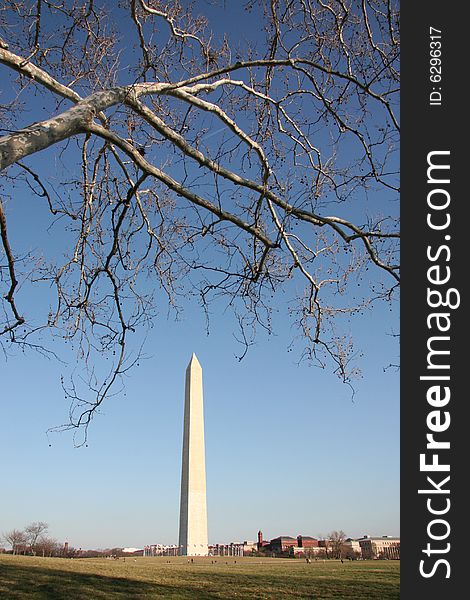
288 451
287 448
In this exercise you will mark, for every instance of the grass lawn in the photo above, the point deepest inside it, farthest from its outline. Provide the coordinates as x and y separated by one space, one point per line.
34 578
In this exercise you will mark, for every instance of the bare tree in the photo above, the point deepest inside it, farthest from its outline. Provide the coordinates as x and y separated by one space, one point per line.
33 533
214 169
325 543
337 539
47 546
17 540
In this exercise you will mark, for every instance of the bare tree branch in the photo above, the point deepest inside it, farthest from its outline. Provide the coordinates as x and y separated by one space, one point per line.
213 171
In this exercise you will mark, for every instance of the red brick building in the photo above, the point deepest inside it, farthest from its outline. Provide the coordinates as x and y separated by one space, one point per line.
305 541
284 543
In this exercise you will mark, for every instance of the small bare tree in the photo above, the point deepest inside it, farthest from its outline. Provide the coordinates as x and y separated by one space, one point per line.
213 168
17 540
47 546
337 539
33 532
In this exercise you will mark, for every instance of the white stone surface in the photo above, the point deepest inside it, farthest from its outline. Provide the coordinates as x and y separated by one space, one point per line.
193 508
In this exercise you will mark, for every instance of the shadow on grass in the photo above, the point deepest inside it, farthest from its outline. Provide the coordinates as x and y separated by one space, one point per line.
19 582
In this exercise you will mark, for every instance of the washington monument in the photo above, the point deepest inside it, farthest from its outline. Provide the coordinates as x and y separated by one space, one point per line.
193 509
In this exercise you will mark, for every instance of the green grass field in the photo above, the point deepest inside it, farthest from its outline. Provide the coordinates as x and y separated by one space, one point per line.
33 578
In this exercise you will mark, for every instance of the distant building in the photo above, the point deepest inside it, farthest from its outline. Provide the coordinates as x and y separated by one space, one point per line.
282 544
305 541
300 552
302 545
249 547
351 549
161 550
231 549
325 545
306 547
245 548
367 547
380 547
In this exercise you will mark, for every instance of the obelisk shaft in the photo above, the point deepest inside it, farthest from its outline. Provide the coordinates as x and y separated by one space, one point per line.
193 508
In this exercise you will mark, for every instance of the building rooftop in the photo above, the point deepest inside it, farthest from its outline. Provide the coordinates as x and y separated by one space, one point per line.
378 537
